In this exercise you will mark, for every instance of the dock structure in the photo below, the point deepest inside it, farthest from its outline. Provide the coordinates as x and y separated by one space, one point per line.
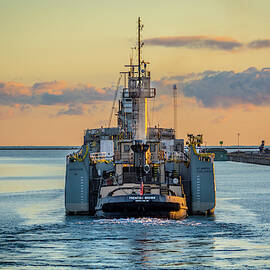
250 157
39 148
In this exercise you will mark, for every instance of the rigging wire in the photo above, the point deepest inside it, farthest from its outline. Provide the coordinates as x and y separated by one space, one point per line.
114 100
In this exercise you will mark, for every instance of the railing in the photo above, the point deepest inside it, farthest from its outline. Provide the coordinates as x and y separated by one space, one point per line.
100 157
135 93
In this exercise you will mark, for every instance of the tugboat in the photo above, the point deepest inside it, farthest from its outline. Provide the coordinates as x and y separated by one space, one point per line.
133 170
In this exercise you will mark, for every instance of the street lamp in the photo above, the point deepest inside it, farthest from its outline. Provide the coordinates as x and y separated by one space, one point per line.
238 134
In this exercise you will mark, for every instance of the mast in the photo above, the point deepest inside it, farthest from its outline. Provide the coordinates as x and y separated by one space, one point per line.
139 49
132 114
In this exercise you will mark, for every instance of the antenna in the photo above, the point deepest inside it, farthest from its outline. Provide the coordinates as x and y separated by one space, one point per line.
175 108
140 44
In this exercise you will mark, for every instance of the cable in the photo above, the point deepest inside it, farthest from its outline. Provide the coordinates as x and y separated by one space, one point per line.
114 100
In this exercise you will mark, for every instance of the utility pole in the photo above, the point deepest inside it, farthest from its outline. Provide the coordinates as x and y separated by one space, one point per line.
175 109
238 134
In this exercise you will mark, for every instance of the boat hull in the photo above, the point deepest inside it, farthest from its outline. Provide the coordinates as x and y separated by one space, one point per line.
155 206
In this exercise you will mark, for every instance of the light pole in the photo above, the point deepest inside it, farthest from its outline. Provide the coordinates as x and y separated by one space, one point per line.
238 135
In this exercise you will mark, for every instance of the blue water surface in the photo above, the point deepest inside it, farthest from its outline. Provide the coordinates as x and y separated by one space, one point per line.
35 233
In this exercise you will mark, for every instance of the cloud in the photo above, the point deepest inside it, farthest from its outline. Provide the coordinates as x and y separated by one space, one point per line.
220 119
196 42
6 112
165 84
52 93
224 89
53 87
227 88
259 44
205 42
14 89
25 108
60 93
73 109
210 89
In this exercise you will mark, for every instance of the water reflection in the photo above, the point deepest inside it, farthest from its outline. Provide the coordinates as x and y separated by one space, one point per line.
146 242
20 175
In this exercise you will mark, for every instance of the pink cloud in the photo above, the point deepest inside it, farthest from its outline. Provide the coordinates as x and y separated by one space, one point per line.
14 89
52 93
196 42
54 87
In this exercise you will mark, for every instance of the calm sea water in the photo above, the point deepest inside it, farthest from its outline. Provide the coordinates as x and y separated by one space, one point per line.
36 234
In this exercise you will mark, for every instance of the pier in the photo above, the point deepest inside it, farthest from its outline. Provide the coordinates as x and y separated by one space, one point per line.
250 157
39 147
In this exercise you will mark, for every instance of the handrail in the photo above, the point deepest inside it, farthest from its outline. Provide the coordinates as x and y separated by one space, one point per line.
76 156
209 155
99 157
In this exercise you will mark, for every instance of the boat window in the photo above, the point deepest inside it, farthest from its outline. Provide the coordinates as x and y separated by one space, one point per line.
152 147
126 148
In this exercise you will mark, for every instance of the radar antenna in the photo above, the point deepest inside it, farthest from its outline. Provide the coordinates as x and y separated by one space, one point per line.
140 44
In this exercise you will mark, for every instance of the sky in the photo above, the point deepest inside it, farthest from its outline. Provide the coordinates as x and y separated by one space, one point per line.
60 62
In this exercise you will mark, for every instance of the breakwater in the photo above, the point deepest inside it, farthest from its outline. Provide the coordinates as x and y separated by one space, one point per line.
250 157
39 147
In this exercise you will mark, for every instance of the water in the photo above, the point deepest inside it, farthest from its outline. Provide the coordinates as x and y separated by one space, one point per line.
36 234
